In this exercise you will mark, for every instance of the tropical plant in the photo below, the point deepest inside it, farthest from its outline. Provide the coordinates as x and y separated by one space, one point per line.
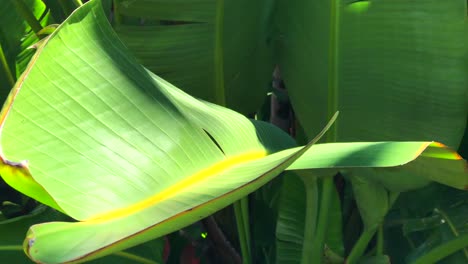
121 156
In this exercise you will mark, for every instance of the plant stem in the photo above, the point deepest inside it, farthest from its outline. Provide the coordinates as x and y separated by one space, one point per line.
28 15
328 185
331 257
380 241
245 218
134 258
77 3
241 207
241 231
219 93
452 227
360 246
333 54
311 190
6 68
11 248
322 226
444 250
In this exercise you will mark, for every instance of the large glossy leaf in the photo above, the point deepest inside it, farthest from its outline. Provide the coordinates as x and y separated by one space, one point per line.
92 133
400 75
402 70
13 230
181 46
16 40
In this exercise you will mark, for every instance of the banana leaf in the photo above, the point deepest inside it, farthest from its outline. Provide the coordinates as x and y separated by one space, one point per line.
203 46
16 36
13 230
401 67
399 70
90 132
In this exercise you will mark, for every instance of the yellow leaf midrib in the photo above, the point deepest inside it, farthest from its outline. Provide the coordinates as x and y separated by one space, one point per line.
179 187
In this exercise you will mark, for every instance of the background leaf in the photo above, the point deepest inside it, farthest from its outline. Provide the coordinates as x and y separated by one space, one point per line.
393 62
16 37
176 40
393 77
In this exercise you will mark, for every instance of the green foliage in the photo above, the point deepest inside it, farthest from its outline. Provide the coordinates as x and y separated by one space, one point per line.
95 129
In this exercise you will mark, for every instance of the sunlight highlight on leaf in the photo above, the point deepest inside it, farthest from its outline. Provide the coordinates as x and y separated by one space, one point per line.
358 6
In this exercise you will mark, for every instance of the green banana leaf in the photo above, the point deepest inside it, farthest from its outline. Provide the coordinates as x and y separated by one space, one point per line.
16 36
401 67
13 230
400 74
204 46
16 40
95 135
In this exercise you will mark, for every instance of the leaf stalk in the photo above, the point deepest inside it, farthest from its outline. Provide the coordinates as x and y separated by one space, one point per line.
6 68
219 93
360 246
311 190
322 226
11 248
444 250
242 231
28 15
327 183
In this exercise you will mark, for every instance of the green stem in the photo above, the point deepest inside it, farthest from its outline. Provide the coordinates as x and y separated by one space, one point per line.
28 15
360 246
77 3
333 54
444 250
241 207
11 248
244 202
410 242
266 256
452 227
311 190
331 257
134 258
380 241
219 94
328 185
241 231
6 68
322 226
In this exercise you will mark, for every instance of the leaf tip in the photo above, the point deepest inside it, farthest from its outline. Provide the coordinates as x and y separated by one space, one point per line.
29 243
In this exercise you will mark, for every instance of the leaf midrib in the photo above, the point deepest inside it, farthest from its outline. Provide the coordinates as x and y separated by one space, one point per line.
179 187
